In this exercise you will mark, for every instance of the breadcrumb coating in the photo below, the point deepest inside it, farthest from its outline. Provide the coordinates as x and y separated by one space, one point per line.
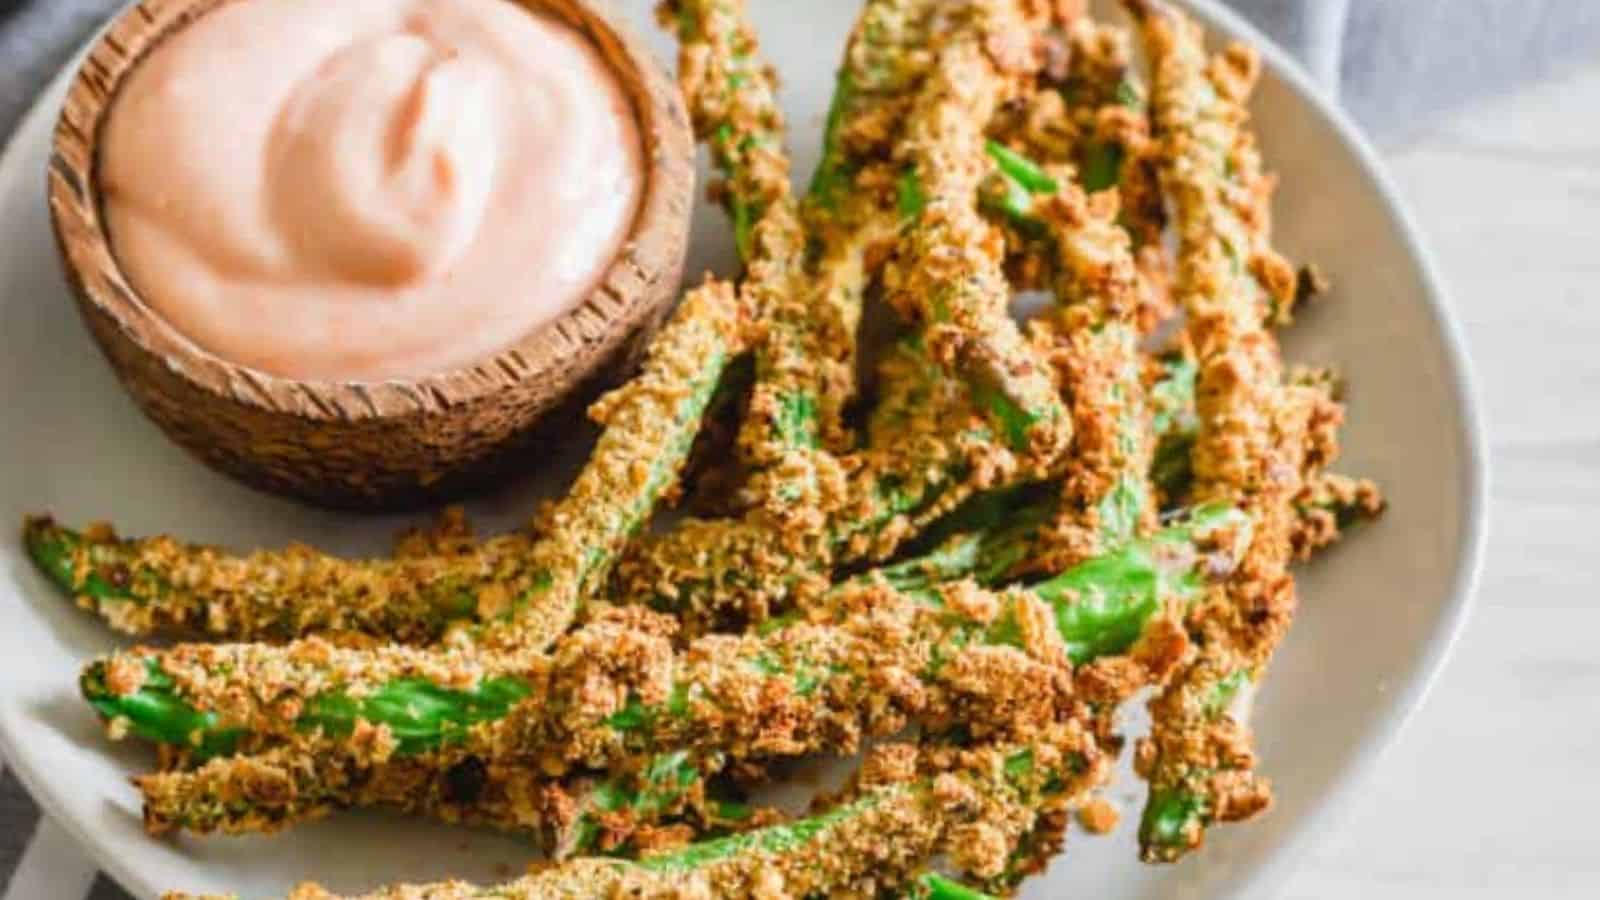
614 689
1087 114
1255 435
971 806
733 101
983 580
947 272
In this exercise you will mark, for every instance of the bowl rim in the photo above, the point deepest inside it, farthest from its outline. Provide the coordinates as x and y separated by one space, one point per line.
1432 656
625 296
1410 695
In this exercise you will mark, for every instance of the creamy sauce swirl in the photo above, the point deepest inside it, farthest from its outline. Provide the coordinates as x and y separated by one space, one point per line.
368 189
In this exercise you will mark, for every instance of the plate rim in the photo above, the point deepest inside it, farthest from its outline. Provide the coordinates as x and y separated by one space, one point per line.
1434 654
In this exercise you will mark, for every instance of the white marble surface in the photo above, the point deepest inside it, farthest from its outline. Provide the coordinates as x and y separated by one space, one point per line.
1492 792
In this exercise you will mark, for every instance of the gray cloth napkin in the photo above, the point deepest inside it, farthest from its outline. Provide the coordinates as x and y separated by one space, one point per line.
1397 64
1394 63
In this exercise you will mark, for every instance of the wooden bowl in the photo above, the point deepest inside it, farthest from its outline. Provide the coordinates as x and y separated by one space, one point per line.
375 444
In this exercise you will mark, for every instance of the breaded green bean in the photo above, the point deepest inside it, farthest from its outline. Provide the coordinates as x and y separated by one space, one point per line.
905 808
1095 350
849 216
801 499
157 585
1105 500
731 94
947 272
853 208
1254 436
570 815
810 310
732 97
607 693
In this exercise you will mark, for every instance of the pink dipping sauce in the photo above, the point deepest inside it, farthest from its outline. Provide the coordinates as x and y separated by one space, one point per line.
368 189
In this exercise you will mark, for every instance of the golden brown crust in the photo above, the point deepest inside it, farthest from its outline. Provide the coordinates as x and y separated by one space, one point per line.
974 806
648 426
1085 117
1256 432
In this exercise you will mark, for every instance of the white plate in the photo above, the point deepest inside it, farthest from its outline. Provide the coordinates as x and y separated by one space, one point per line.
1378 615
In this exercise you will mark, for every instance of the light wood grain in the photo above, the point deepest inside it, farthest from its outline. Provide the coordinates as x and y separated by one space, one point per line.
1492 792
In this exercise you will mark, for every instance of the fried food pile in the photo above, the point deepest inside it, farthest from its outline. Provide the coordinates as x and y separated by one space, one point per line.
965 560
